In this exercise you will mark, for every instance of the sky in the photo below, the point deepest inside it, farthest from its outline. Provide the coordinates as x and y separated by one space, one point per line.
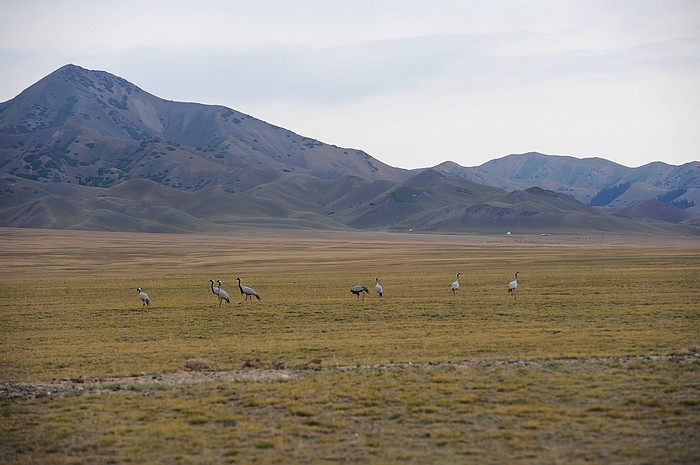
411 82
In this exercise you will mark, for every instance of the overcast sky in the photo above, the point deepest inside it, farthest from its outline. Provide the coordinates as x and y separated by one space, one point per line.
412 83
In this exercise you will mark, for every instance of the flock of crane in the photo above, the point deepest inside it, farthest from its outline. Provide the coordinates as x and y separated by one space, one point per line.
356 290
223 295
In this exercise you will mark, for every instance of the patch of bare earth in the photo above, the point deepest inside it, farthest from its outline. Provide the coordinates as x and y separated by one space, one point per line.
256 370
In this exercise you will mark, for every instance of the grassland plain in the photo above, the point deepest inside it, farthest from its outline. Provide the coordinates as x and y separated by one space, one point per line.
594 362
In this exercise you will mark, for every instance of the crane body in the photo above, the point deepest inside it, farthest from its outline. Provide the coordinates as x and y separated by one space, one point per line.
513 285
247 291
357 290
223 295
378 287
144 298
455 285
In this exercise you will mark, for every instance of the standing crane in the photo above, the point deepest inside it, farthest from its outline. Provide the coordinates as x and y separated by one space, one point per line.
214 290
357 290
455 285
247 291
378 287
513 285
223 295
144 298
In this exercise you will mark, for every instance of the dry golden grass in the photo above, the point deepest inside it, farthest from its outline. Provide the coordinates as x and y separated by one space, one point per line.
589 313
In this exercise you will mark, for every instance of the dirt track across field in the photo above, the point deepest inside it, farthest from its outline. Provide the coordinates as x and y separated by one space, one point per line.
257 371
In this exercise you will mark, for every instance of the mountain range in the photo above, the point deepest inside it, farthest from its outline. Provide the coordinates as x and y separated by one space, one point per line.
583 179
84 149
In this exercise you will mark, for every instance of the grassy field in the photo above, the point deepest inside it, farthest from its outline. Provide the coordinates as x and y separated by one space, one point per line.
594 362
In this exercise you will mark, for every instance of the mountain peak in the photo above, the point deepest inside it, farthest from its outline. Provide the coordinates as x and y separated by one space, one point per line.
128 132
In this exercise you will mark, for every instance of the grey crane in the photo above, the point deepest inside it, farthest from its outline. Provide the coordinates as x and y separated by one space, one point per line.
357 290
513 285
214 290
144 298
247 291
223 295
455 285
378 287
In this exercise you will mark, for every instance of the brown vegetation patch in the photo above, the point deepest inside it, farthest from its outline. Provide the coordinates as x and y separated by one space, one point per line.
199 364
256 363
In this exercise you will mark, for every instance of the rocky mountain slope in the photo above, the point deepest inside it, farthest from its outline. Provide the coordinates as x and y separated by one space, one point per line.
93 128
85 149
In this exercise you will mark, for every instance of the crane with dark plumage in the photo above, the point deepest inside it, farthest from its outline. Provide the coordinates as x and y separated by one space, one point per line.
144 298
513 285
223 295
455 285
247 291
357 290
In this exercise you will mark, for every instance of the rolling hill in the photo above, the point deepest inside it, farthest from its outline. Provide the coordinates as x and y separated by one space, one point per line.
84 149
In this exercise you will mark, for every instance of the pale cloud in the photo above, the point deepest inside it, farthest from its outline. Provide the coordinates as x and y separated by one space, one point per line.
413 83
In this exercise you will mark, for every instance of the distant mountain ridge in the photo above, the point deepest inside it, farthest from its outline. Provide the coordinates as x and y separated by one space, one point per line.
583 178
84 149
